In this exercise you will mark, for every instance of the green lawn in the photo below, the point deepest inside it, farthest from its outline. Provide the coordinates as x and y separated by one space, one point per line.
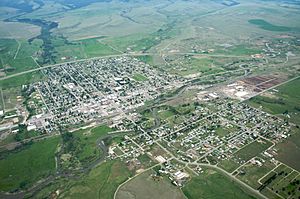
139 77
213 185
146 59
21 169
229 165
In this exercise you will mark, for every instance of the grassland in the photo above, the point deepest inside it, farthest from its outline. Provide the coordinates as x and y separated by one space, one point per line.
252 173
101 182
289 150
18 55
21 169
213 185
252 150
268 26
284 102
18 81
82 146
146 187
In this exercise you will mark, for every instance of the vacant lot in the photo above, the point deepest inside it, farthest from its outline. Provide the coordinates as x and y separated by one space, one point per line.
213 185
252 149
146 187
289 151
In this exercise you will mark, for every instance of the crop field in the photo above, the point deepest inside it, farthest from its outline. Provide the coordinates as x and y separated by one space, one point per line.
146 186
212 184
21 169
282 101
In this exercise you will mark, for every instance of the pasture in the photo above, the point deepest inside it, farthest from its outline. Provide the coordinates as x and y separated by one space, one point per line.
20 169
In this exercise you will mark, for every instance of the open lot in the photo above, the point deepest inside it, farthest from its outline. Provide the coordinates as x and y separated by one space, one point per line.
212 184
282 101
146 186
289 150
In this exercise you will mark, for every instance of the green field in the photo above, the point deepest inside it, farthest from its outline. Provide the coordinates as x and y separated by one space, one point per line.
101 182
284 102
289 149
21 169
18 81
252 173
268 26
146 187
252 150
81 146
213 185
17 55
139 77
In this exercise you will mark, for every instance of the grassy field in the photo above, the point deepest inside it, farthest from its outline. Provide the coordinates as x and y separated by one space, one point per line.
213 185
252 173
283 102
252 150
268 26
139 77
146 187
22 168
18 81
289 150
101 182
229 165
82 147
17 55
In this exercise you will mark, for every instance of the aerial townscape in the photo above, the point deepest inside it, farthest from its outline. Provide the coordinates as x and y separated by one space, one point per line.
150 99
